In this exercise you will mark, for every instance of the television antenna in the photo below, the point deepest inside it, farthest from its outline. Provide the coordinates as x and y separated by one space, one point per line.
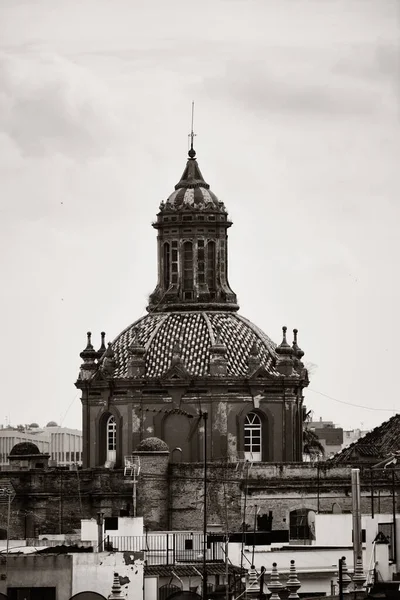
131 473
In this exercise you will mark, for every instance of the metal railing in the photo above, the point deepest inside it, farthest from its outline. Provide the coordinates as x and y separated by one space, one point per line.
53 543
169 548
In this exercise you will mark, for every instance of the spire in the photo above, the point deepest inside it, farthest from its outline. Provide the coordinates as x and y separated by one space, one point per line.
89 355
136 358
284 363
346 579
359 577
116 590
293 584
108 362
274 585
218 358
253 362
252 587
192 152
284 348
89 352
192 177
298 352
102 348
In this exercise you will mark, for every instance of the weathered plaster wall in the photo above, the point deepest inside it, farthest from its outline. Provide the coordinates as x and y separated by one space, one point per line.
35 570
95 572
147 410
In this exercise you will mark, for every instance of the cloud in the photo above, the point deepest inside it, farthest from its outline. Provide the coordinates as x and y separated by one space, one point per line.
379 63
50 105
306 81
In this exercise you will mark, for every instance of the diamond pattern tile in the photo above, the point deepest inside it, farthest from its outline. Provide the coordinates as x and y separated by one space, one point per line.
159 332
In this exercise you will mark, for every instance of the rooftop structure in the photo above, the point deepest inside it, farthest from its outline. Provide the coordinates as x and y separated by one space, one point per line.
192 353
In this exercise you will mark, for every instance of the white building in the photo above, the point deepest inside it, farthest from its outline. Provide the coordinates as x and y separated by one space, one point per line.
62 443
352 435
65 445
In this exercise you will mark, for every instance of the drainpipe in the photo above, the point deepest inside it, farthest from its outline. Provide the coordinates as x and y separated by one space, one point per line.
100 521
394 517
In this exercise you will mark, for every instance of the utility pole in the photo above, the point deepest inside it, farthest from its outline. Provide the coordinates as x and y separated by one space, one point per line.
205 417
7 492
340 579
356 510
394 516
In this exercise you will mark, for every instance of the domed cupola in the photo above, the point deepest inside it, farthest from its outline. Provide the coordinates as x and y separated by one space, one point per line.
192 193
192 248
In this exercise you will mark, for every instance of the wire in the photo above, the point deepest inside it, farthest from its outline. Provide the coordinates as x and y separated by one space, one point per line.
67 411
351 404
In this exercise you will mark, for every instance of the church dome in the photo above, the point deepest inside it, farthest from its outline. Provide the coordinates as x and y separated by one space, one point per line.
195 333
199 198
24 448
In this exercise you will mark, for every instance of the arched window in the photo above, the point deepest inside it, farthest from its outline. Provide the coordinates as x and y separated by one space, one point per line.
211 266
188 266
301 524
166 265
200 262
252 437
111 439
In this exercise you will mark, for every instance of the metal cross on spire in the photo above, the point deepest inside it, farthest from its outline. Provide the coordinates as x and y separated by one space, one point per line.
192 135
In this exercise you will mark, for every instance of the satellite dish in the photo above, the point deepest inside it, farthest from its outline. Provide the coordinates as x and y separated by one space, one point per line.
311 522
311 518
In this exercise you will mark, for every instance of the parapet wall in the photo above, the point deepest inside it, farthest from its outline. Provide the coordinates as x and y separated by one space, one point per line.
171 495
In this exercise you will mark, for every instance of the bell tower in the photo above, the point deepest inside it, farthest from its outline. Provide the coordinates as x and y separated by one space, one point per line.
192 247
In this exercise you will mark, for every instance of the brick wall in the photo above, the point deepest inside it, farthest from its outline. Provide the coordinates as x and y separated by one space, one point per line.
170 495
272 487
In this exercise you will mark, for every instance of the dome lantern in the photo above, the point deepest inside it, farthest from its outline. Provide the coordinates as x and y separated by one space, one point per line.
192 238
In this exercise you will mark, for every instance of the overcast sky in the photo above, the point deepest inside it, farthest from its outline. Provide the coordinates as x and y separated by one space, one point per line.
297 116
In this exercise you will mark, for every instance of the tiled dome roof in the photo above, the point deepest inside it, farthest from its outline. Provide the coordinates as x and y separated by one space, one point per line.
152 444
192 192
199 198
195 332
